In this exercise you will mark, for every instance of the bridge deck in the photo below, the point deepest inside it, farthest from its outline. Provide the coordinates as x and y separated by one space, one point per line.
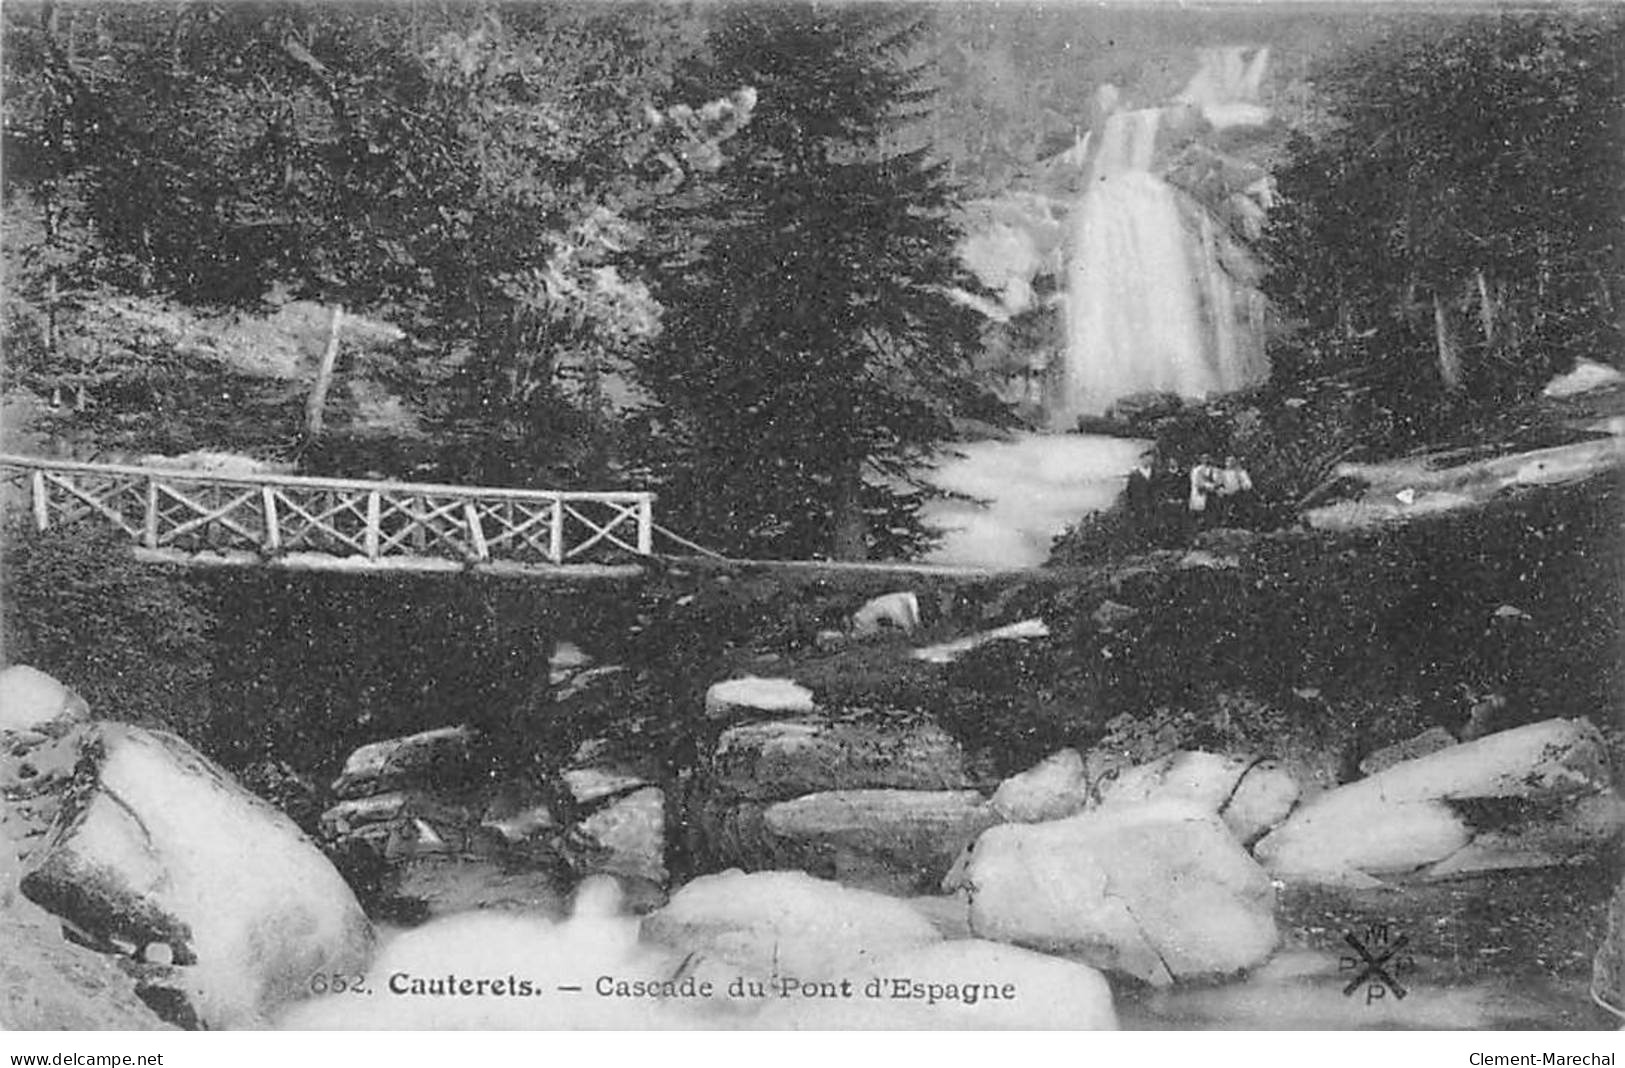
216 517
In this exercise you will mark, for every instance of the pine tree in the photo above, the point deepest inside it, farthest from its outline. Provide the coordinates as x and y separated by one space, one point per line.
810 357
1459 203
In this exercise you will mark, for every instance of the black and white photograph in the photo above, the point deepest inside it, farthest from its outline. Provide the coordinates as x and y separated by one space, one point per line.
811 515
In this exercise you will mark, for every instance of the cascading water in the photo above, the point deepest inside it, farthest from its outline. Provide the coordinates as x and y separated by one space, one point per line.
1156 292
1158 296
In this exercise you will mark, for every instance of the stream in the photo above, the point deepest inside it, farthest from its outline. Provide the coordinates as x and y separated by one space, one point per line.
1506 951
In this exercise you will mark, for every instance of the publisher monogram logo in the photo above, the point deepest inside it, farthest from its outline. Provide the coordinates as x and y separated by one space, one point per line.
1380 960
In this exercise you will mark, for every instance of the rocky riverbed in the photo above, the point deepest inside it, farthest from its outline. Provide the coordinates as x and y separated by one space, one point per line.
1126 893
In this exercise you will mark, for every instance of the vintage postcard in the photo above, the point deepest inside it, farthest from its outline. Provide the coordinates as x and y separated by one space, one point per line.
812 516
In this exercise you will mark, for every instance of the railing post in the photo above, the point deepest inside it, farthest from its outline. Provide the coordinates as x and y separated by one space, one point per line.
646 526
555 533
42 505
374 511
149 525
273 532
476 535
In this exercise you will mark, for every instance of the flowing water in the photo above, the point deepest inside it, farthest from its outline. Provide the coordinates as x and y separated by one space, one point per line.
1017 495
1159 296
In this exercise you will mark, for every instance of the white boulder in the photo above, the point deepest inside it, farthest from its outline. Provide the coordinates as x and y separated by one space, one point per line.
1160 891
31 700
627 836
1251 796
1587 375
1262 800
1352 840
567 659
39 721
967 984
785 923
49 984
897 611
489 970
1416 815
1539 836
158 853
1554 756
1054 788
752 694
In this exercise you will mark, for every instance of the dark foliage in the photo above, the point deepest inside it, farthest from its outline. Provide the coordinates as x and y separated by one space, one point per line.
1454 222
309 666
270 671
135 640
809 354
1398 629
468 172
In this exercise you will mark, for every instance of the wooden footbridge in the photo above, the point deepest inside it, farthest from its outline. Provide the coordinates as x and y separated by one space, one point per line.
209 517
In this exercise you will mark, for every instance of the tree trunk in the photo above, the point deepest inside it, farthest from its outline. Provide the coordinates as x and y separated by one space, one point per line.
1444 331
1498 312
53 295
1486 307
851 533
324 376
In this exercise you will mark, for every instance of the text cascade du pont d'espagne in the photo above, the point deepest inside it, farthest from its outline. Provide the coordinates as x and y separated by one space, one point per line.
896 988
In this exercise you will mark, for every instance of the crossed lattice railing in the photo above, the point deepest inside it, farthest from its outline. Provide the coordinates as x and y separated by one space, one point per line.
273 515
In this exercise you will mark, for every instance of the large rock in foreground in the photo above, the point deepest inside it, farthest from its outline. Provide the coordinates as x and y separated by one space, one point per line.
1538 794
787 924
42 723
39 720
31 700
157 853
487 970
967 984
48 984
1053 789
1158 891
1250 795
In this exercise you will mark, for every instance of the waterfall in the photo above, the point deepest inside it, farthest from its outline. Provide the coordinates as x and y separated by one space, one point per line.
1158 295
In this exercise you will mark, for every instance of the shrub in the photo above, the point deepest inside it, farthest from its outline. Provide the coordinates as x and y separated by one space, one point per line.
258 667
313 664
132 638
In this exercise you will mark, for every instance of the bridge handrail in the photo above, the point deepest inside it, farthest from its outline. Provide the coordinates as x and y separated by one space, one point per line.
260 478
177 510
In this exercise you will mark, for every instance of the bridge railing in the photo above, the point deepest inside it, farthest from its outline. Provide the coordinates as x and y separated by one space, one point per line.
188 512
